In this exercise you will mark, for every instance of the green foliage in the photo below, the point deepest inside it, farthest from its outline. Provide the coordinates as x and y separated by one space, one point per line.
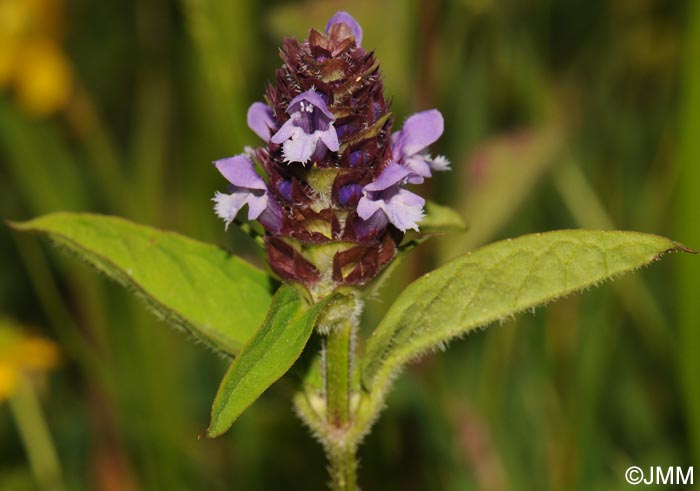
270 354
440 219
215 296
498 178
615 82
495 282
688 204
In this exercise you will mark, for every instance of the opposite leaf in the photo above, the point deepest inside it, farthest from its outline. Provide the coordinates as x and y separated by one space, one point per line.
201 288
270 354
495 282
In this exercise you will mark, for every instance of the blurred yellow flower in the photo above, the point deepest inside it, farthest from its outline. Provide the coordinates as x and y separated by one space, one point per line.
32 62
21 354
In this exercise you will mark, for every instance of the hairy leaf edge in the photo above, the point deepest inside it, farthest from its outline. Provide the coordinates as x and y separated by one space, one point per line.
169 315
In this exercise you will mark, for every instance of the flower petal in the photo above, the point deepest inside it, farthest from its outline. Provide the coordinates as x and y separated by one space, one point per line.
440 163
227 206
420 166
349 193
314 98
239 171
367 207
393 174
419 131
271 217
285 132
405 210
375 224
260 120
284 186
348 20
256 205
300 147
402 208
330 139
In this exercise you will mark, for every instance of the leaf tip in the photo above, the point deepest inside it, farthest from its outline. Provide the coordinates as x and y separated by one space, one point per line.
14 225
683 248
209 433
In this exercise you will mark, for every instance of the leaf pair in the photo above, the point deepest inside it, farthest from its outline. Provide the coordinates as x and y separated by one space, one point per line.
223 300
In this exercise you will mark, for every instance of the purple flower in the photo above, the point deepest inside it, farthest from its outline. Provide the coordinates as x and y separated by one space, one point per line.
309 131
347 19
260 120
350 204
408 146
247 188
385 200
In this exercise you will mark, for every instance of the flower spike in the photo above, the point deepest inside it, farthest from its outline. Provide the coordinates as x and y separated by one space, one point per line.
333 198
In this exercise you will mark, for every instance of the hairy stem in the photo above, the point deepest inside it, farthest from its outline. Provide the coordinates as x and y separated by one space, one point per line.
331 396
338 378
339 390
343 468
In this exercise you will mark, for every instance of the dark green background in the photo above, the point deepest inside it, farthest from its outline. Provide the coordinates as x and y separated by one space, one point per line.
583 113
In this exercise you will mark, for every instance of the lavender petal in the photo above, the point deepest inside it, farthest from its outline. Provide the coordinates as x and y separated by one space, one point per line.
315 99
405 210
420 166
260 120
330 139
300 147
284 133
256 205
349 193
375 224
393 174
419 131
348 20
239 171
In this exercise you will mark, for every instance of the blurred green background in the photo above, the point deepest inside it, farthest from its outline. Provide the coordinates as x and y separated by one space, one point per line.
559 114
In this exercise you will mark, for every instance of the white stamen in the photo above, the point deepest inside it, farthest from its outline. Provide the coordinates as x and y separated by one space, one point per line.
306 107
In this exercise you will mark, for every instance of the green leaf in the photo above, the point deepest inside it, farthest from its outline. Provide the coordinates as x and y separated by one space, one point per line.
440 219
218 297
270 354
495 282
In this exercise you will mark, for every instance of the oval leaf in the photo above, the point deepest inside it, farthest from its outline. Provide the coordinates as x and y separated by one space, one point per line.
201 288
270 354
495 282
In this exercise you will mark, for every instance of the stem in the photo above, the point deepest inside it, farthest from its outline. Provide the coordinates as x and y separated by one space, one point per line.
338 356
331 396
35 436
343 468
339 418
